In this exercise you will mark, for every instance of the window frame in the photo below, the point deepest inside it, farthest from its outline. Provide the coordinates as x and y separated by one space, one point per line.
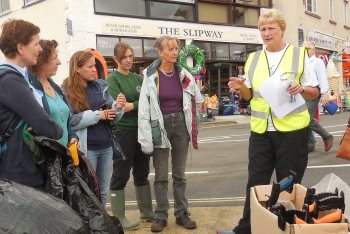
313 6
148 11
246 7
7 10
194 10
251 5
331 10
346 13
123 15
30 2
228 3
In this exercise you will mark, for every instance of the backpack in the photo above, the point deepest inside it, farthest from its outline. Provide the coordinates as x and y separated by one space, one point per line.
16 122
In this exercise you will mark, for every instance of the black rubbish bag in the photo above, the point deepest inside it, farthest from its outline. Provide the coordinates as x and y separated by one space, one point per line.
27 210
76 186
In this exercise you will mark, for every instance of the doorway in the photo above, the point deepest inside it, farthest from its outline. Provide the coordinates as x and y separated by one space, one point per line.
218 77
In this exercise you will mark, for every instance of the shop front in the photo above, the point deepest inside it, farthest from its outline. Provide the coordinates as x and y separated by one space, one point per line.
333 48
225 48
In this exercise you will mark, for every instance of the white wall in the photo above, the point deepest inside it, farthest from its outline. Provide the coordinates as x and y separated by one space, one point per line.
294 13
50 16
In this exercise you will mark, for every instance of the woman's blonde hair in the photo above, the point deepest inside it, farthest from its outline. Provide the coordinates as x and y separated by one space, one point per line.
272 15
160 45
74 84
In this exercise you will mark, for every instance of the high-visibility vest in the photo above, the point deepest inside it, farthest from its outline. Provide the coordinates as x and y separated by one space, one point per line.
257 69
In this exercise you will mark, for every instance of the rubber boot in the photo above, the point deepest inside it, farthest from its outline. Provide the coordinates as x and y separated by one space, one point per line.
144 201
118 210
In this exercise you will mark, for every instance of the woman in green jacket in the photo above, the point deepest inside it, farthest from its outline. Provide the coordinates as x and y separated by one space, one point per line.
129 83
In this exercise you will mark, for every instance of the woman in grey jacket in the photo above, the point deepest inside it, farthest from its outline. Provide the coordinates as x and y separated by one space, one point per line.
92 107
168 122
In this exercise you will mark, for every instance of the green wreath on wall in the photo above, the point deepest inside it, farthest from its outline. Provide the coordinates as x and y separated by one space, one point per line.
196 54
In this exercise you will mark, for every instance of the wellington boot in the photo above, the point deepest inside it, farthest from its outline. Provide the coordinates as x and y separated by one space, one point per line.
118 210
144 201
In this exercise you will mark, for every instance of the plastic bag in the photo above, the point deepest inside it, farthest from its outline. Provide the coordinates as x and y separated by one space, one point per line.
329 183
65 181
27 210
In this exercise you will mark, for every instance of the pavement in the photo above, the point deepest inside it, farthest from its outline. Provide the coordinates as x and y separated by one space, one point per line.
237 120
209 220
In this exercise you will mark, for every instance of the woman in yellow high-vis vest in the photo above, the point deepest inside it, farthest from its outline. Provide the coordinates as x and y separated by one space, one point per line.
271 137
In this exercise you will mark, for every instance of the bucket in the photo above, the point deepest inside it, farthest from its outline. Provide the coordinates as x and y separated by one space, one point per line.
331 108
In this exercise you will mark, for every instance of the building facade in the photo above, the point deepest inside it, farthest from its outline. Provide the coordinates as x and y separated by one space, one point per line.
224 29
326 23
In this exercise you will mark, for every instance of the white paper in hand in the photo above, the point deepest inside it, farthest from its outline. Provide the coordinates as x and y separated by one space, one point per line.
274 91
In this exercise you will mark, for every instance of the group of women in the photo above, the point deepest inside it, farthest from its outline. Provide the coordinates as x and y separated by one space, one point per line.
153 116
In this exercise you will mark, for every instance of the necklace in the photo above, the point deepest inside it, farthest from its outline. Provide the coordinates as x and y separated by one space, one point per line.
168 75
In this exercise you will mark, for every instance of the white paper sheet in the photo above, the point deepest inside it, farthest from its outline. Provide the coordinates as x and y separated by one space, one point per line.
274 91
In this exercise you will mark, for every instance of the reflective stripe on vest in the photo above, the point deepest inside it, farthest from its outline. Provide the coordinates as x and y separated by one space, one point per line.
257 69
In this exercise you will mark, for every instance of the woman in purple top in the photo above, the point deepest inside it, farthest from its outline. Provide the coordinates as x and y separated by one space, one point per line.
167 123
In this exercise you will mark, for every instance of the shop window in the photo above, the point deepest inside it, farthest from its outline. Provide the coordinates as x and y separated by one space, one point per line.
136 45
311 5
149 50
219 51
164 10
121 7
245 16
4 6
105 45
237 53
205 47
252 48
214 13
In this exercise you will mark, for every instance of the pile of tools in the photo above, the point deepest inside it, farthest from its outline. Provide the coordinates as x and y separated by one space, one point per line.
318 208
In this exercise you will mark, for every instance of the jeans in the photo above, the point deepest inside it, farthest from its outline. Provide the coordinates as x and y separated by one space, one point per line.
102 162
135 159
177 133
279 151
314 125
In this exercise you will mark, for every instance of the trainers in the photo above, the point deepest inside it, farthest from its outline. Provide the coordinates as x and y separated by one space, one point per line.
185 221
225 232
158 225
328 143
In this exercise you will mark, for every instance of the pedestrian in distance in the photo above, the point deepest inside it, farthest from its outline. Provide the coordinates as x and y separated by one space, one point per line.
54 102
92 107
167 123
312 104
20 104
124 81
271 138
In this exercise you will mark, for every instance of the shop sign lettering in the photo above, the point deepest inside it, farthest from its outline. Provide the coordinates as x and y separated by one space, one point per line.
187 32
321 40
122 28
184 31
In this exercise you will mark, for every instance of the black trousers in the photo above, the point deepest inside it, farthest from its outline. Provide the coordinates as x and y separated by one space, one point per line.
136 160
268 152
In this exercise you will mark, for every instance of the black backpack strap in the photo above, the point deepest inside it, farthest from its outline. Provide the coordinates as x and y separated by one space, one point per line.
10 130
4 69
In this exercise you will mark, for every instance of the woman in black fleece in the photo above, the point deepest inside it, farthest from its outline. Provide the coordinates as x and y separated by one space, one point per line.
19 41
